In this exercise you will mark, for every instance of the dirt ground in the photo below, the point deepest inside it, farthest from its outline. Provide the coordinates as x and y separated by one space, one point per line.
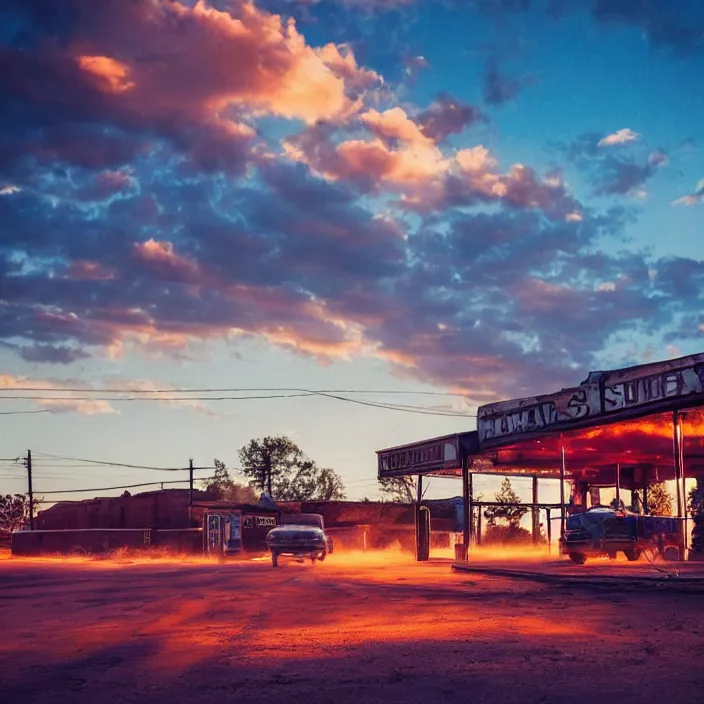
356 628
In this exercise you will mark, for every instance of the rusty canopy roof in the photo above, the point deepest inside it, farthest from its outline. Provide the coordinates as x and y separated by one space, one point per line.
620 417
605 397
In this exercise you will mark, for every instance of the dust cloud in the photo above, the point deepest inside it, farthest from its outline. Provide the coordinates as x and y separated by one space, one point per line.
342 558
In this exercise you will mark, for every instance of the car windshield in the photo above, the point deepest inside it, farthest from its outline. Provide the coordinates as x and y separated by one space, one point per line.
312 520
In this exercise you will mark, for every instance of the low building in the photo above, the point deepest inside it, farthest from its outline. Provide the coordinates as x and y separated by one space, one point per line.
174 518
165 509
167 515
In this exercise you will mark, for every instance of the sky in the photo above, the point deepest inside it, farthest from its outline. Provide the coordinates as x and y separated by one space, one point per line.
442 202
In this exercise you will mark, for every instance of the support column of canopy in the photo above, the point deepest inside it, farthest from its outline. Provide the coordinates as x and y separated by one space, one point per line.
478 534
466 508
535 513
678 458
646 482
422 524
563 472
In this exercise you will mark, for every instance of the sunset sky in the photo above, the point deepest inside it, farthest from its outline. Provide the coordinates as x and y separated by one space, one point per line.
487 198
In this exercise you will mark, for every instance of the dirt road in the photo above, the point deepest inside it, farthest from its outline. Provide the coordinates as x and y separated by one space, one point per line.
353 629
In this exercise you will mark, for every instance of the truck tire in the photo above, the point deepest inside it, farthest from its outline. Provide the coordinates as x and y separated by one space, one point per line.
578 558
632 555
322 555
671 553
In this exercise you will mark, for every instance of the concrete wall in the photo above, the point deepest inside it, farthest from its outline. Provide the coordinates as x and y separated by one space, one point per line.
102 540
190 541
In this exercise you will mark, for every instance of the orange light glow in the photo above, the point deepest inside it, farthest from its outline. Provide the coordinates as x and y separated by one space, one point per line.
647 441
209 625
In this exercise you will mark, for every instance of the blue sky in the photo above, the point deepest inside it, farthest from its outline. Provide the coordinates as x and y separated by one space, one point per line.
487 199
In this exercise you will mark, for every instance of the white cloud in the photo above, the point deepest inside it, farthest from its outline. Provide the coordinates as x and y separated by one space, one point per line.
658 159
687 201
697 196
57 401
606 286
619 137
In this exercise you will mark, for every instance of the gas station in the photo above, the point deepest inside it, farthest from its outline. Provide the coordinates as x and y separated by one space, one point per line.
624 429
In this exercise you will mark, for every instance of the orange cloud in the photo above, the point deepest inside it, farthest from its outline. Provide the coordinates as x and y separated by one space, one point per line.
285 319
340 59
395 124
111 75
245 57
403 159
207 73
538 296
161 257
83 270
410 164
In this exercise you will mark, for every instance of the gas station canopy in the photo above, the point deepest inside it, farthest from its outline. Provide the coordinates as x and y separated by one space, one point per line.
626 417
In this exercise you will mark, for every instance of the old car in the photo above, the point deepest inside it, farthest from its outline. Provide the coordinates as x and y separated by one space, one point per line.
606 532
300 536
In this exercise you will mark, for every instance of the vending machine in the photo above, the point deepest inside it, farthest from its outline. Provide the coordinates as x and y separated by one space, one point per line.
222 532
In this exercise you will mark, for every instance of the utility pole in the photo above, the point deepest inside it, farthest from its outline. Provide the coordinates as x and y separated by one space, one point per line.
190 491
190 482
28 464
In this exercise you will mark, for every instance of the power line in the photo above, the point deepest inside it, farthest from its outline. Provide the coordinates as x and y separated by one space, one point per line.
272 393
22 413
45 465
117 464
422 410
399 407
112 488
164 399
227 390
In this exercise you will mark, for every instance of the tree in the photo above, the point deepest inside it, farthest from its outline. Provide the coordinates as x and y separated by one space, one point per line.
329 485
659 500
223 488
14 512
308 482
695 500
400 490
277 465
268 461
509 509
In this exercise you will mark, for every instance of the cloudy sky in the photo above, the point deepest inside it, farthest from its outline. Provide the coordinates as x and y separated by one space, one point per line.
485 198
